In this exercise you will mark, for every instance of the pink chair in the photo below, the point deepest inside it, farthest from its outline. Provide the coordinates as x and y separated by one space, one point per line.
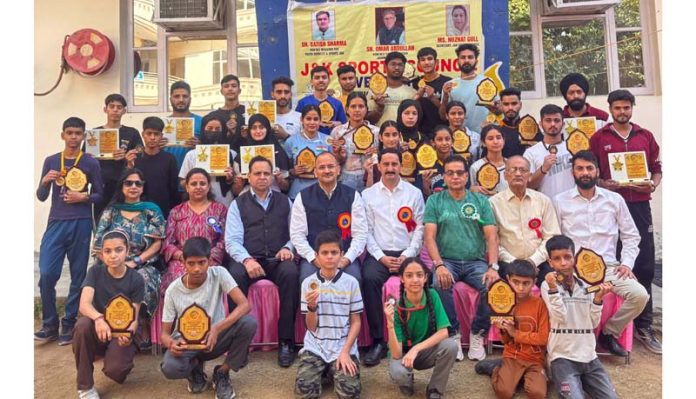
612 303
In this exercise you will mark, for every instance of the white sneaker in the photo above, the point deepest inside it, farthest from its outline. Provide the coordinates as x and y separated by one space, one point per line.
460 352
476 348
88 394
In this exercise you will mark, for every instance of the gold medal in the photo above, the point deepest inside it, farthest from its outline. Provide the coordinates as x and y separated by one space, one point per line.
422 83
412 144
60 181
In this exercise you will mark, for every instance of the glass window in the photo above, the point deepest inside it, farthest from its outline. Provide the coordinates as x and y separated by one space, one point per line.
629 42
144 74
247 31
522 62
249 73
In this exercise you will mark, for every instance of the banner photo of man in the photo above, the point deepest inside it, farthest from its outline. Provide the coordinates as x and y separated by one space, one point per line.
361 34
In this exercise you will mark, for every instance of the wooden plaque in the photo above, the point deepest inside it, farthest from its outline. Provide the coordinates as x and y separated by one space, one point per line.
486 91
101 143
378 84
327 111
488 176
501 300
461 141
119 314
590 268
528 128
426 156
363 139
577 141
629 167
194 325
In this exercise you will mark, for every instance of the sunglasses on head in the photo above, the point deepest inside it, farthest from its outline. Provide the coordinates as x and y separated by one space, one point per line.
131 183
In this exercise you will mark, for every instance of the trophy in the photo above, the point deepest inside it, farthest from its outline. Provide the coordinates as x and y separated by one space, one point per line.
461 141
577 141
501 301
590 268
378 84
307 158
327 112
363 139
629 167
486 92
76 180
119 314
426 156
408 164
194 325
528 129
488 176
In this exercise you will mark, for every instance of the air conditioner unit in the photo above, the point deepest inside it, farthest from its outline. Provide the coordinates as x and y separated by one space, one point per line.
570 7
188 15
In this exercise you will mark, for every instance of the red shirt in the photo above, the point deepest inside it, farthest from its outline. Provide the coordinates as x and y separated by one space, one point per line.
589 111
607 140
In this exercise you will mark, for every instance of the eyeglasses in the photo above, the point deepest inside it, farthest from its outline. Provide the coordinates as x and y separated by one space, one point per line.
451 173
131 183
514 170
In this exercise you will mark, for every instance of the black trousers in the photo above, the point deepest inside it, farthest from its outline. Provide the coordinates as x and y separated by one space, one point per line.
644 268
374 275
542 270
286 276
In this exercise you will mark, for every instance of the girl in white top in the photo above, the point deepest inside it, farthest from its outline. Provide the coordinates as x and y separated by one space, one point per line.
493 142
455 112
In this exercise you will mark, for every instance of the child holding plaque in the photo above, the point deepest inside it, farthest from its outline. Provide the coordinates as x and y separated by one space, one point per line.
205 286
409 116
524 338
573 317
331 304
493 142
432 180
95 332
417 327
334 114
455 112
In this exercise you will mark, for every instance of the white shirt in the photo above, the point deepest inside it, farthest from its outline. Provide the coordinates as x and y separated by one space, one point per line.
386 231
290 122
299 229
598 223
557 179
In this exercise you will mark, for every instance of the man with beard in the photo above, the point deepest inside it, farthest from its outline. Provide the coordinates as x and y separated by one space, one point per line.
621 136
510 105
429 88
180 99
384 107
574 88
347 80
232 111
320 83
287 119
464 88
390 33
394 211
549 159
596 218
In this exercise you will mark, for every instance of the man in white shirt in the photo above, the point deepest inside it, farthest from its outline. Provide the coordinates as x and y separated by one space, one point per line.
525 219
394 210
595 218
549 159
328 205
287 119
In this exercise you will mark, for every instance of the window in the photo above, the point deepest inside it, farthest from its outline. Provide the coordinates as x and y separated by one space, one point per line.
201 58
609 48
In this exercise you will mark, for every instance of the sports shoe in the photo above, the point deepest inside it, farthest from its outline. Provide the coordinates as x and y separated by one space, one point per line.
646 336
433 394
406 390
476 349
66 335
610 343
88 394
197 380
486 367
46 334
460 353
221 384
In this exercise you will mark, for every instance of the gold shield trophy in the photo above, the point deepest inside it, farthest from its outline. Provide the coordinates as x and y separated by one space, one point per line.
486 91
378 84
119 314
363 139
501 301
194 325
76 180
461 142
590 268
327 113
426 156
408 165
528 129
577 141
307 158
488 176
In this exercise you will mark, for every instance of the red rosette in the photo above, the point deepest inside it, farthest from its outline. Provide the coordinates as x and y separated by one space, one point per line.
535 224
343 222
405 216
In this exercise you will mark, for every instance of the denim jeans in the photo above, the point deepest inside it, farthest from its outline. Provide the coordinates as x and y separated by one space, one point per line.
470 272
571 378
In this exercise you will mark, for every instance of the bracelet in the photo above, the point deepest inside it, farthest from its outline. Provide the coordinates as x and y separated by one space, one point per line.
441 264
542 170
551 292
311 309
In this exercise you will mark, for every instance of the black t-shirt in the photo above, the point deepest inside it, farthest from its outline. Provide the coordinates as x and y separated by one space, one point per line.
131 285
161 179
129 138
513 141
431 116
234 139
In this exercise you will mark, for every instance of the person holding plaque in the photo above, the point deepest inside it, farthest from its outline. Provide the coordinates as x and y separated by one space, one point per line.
431 180
205 285
417 326
574 88
232 112
573 316
394 211
525 338
516 140
69 227
129 140
222 186
459 234
332 111
429 90
463 89
384 104
145 225
180 100
409 115
328 205
493 142
159 167
456 115
389 137
354 142
94 331
622 135
596 219
287 119
549 159
526 219
258 240
302 150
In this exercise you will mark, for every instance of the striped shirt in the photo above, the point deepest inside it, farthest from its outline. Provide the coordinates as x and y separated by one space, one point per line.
339 298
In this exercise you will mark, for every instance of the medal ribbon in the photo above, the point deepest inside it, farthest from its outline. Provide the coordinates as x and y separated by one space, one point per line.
405 216
535 224
344 222
63 172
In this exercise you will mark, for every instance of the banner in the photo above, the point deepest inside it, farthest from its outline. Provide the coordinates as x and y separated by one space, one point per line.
362 33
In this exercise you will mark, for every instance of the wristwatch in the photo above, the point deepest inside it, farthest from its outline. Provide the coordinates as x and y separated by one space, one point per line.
494 266
138 260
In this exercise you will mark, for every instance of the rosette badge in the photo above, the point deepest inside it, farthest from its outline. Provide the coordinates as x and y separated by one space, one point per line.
214 223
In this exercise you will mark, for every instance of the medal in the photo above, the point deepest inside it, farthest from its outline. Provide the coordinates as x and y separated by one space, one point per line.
64 173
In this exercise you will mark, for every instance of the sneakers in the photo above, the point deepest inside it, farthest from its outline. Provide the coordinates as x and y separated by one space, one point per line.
286 354
46 334
476 349
460 353
221 384
610 343
486 367
433 394
197 381
88 394
65 337
406 390
647 337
